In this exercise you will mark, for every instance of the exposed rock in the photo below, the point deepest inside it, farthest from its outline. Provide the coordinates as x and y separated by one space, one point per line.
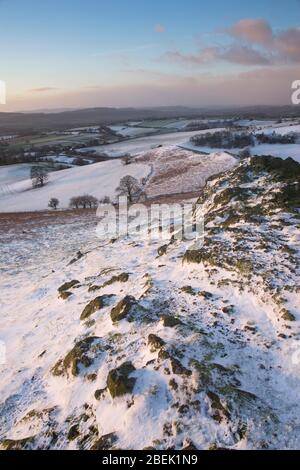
105 442
80 356
126 308
73 432
178 369
20 444
65 295
99 393
219 412
155 342
287 315
68 285
188 290
78 256
118 381
119 278
96 304
170 321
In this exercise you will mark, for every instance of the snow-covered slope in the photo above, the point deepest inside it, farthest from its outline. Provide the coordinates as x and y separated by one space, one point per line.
100 179
202 351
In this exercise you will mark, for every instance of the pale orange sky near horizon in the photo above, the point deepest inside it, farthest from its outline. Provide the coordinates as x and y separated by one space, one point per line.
84 55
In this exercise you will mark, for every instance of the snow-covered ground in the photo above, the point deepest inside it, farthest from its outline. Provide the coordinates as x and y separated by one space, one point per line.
276 150
129 131
99 180
282 130
224 375
176 170
144 144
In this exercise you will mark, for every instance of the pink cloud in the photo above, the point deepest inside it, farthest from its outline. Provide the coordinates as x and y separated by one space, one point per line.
235 54
256 31
288 43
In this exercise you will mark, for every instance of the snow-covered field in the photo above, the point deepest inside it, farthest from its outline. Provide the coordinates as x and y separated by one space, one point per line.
282 130
130 131
99 180
144 144
276 150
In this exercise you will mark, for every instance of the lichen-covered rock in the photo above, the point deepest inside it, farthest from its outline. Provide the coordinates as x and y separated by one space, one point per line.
68 285
219 412
19 444
188 290
124 308
123 277
105 442
155 342
97 304
118 381
169 321
178 368
64 295
73 432
99 393
287 315
82 355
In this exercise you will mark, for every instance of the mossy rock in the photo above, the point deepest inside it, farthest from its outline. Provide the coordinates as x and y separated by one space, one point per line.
287 315
163 355
119 278
99 393
126 308
169 321
97 304
68 285
105 442
162 250
64 295
188 290
245 266
118 381
155 342
178 368
219 412
73 432
80 356
20 444
195 256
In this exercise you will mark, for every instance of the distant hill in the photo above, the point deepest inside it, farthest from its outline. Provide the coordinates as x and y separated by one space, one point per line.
39 121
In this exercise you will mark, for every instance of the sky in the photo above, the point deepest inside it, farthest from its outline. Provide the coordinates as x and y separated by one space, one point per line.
119 53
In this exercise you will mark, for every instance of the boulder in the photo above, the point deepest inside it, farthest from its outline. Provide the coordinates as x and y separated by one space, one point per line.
118 381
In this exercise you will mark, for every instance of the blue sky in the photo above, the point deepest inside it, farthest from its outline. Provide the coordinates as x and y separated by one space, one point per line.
119 52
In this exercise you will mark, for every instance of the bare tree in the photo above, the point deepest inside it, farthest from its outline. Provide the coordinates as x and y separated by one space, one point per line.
53 203
89 201
85 201
105 200
39 176
75 202
130 187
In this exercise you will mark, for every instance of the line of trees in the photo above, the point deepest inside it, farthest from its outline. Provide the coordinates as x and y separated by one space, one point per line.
86 201
224 139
